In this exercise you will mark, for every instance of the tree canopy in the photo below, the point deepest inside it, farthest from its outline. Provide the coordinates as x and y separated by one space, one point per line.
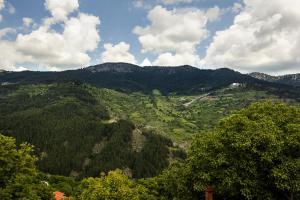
252 154
18 175
113 186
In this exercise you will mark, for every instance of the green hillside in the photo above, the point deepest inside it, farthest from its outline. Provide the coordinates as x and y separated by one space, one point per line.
81 130
74 134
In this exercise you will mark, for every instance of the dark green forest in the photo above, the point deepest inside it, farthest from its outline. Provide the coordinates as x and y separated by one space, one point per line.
152 133
72 133
251 154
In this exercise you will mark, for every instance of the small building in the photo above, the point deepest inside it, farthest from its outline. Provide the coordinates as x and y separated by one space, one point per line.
235 85
59 195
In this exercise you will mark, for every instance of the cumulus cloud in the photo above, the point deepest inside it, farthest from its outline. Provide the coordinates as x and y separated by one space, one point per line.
265 36
27 21
62 50
237 7
169 59
10 56
6 31
172 30
175 34
142 4
51 49
61 9
213 14
117 53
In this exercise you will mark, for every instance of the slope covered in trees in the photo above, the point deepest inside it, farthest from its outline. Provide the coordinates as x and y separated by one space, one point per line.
251 154
81 130
74 135
182 80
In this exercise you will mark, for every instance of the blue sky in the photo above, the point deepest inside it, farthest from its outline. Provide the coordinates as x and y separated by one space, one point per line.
239 34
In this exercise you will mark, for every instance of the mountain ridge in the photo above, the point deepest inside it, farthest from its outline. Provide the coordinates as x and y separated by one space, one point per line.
132 78
101 118
289 79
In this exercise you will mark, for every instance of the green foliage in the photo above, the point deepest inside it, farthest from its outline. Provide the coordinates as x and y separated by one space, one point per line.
113 186
174 183
72 131
81 130
253 154
67 185
153 158
18 175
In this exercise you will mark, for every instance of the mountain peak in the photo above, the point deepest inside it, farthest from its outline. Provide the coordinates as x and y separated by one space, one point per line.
290 79
113 67
263 76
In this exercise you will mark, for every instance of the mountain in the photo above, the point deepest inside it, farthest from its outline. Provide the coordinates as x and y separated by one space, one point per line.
76 134
290 79
127 77
118 115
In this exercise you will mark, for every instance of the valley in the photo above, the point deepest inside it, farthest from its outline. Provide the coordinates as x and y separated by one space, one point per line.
76 125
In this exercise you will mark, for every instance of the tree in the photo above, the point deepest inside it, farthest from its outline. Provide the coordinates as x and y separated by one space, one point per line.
253 154
113 186
18 175
173 183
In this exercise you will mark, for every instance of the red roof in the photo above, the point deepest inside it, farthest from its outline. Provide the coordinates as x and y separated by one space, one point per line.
59 195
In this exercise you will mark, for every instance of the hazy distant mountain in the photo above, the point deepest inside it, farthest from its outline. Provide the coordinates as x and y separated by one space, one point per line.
290 79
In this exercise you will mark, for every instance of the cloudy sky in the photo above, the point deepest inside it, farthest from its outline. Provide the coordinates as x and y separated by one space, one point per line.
245 35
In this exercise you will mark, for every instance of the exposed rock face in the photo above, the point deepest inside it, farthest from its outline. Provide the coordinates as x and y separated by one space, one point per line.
290 79
138 140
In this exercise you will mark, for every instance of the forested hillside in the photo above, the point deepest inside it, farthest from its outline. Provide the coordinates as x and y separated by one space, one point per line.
81 130
256 150
110 116
74 134
182 80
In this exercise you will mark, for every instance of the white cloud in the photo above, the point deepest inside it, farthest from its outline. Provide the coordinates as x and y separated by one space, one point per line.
213 14
172 30
61 9
51 49
237 7
170 2
265 37
6 31
63 50
146 62
175 34
168 59
10 56
142 4
117 53
27 21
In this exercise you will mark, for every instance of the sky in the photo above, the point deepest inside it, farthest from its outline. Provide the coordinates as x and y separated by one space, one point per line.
244 35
